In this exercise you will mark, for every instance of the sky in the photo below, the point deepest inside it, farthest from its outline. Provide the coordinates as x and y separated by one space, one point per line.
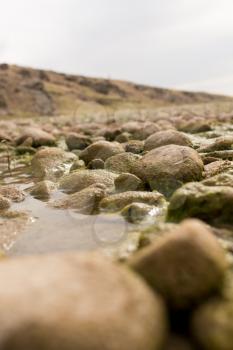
183 44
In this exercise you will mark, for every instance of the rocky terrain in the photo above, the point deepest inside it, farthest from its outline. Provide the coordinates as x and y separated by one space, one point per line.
116 228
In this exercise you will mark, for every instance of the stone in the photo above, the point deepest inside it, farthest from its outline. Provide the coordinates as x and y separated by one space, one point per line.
166 137
128 182
83 301
50 163
168 167
85 201
185 266
96 164
42 189
140 130
223 179
37 136
123 137
12 192
118 201
194 125
122 162
212 325
134 146
217 167
101 150
137 212
5 203
213 204
81 179
77 141
219 144
77 165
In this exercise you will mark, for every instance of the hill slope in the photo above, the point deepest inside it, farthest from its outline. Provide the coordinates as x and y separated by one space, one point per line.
32 92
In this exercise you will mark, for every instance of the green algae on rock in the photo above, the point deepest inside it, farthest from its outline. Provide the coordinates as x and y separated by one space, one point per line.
128 182
213 204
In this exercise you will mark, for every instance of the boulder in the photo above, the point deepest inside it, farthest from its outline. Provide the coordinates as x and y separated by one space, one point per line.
212 325
50 163
81 179
12 192
42 189
122 162
101 150
118 201
185 266
83 301
213 204
5 203
128 182
77 141
166 137
36 136
168 167
85 201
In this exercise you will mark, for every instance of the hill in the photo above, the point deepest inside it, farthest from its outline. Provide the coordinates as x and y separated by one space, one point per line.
30 92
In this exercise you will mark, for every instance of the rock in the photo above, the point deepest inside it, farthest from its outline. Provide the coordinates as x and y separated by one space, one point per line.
77 141
194 125
128 182
217 167
219 144
77 165
184 266
5 203
118 201
85 201
12 224
139 130
134 146
137 212
123 137
74 306
212 325
122 162
50 163
96 164
223 179
42 189
177 342
166 168
37 136
101 150
19 150
81 179
166 137
213 204
12 192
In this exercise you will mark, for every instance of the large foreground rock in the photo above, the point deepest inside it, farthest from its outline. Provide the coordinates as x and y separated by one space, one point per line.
101 150
167 168
212 325
213 204
70 302
185 266
81 179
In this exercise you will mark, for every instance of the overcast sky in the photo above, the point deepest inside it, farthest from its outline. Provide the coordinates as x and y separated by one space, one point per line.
185 44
